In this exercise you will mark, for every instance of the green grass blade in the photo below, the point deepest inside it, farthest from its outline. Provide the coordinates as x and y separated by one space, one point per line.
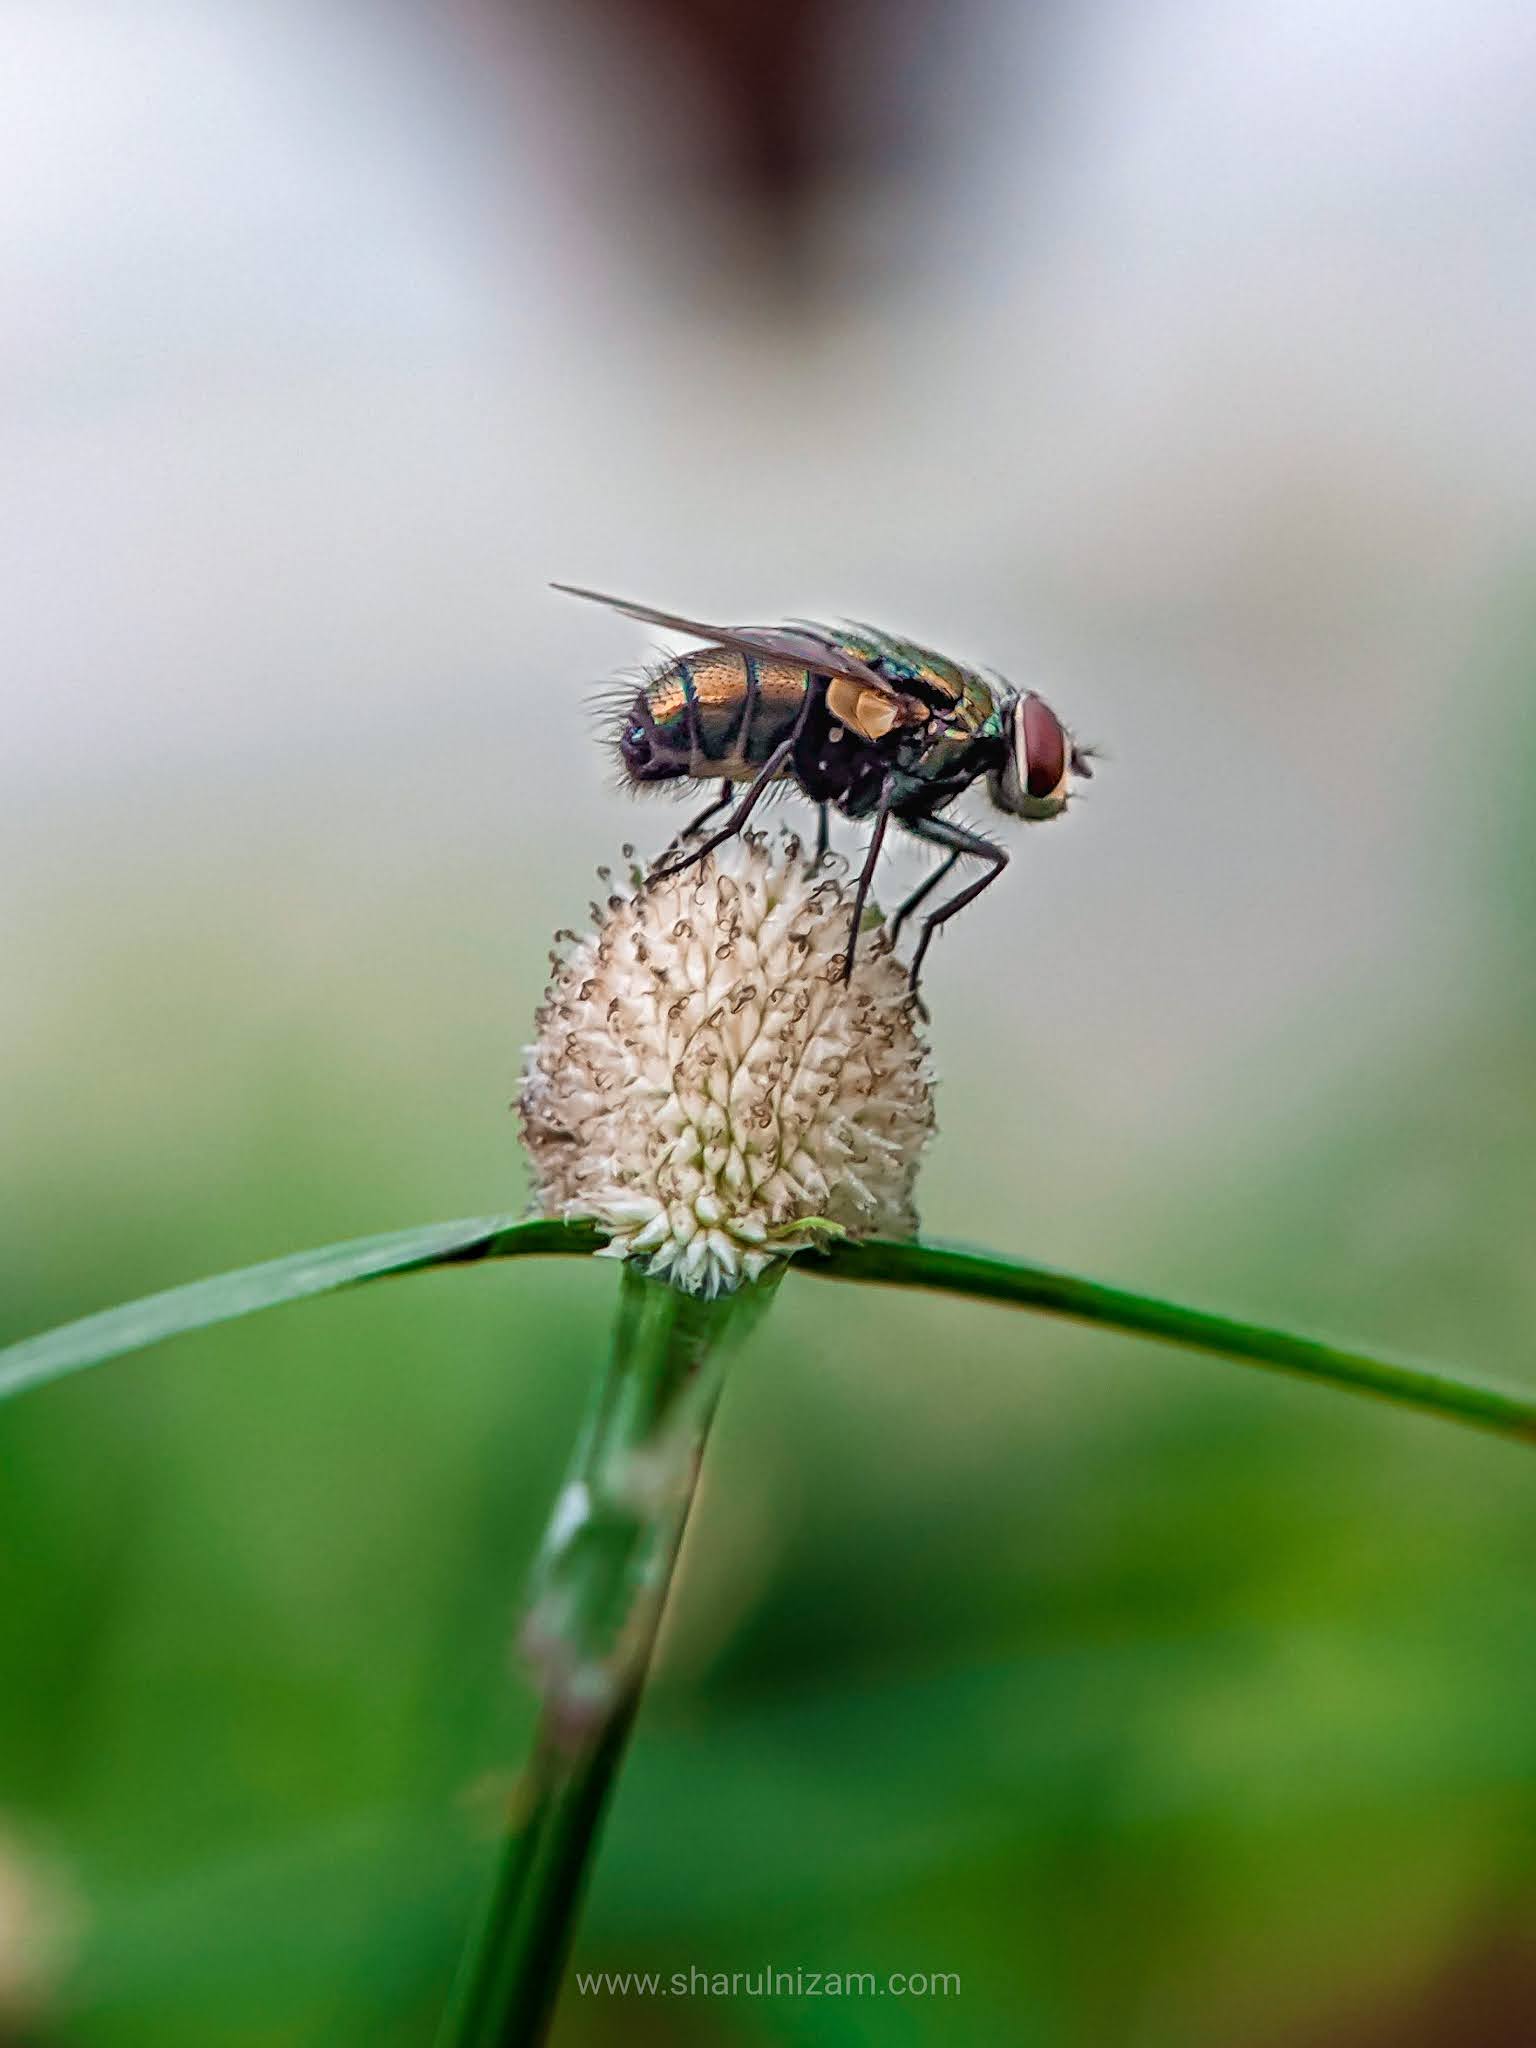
985 1276
945 1269
97 1338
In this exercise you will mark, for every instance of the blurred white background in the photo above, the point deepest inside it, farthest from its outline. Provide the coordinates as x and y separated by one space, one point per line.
1181 370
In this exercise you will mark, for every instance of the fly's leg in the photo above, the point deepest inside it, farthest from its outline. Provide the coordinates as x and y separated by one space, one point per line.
709 811
867 872
696 825
776 763
940 832
756 788
823 833
921 894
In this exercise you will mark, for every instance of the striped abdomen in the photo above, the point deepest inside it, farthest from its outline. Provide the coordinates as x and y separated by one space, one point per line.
713 714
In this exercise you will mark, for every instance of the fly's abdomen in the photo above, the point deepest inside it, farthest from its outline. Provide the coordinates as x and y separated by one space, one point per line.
715 714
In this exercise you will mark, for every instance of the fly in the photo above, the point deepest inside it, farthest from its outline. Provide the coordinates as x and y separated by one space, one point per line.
863 723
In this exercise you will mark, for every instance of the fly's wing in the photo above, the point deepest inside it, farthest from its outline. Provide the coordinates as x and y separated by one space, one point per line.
773 643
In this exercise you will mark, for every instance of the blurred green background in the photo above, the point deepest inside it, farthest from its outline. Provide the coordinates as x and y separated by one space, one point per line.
1178 365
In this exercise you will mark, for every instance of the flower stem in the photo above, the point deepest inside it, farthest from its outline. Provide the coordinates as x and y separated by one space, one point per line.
599 1588
511 1979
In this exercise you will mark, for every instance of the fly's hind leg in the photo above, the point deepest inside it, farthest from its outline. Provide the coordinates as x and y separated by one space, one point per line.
775 765
940 832
776 762
695 825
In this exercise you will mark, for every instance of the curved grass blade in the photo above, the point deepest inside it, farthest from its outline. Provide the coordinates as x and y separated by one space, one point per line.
985 1276
97 1338
944 1269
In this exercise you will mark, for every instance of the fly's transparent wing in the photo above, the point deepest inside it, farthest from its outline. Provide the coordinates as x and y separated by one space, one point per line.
773 643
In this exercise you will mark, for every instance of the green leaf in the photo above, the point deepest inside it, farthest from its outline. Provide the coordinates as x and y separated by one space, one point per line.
97 1338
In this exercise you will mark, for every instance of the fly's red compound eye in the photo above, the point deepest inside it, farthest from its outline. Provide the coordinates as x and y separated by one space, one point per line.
1046 748
1033 779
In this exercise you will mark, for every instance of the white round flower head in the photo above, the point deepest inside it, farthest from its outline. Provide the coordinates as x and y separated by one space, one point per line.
707 1087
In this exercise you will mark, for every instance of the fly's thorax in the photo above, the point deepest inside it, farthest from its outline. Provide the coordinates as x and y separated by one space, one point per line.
962 738
711 714
915 671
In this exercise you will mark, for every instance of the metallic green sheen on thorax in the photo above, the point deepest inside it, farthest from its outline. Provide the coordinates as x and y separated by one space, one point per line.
968 706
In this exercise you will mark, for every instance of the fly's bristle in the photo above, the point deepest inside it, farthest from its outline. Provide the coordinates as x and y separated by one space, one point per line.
611 701
679 789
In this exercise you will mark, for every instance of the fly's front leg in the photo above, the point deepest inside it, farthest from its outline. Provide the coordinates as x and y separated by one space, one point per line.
823 832
940 832
921 894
